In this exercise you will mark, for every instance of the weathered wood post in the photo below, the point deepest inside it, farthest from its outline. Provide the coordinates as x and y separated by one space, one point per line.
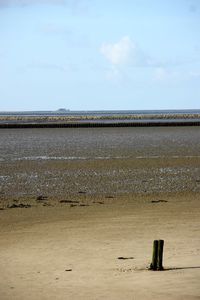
153 265
160 255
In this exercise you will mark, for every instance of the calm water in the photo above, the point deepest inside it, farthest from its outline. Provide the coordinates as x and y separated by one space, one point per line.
110 160
100 113
91 143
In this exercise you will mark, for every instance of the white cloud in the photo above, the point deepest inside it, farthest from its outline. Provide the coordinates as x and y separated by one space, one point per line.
119 53
124 52
125 55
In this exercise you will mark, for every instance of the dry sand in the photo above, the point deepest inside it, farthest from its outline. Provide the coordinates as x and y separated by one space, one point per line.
63 251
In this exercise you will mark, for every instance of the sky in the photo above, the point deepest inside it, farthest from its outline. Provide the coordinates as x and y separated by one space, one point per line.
99 54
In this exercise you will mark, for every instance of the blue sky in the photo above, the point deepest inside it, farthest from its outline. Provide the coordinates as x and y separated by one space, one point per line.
98 54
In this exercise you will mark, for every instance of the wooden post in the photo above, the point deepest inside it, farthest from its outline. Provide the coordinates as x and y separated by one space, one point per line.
160 255
153 265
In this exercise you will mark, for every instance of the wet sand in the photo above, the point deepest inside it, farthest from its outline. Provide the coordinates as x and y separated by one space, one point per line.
60 162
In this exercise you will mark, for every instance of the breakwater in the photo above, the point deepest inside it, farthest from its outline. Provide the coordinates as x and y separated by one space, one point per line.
144 123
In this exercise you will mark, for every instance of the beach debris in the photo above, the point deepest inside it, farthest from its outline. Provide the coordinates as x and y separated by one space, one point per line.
68 270
1 208
124 270
73 205
157 256
99 202
158 201
109 197
82 204
46 204
41 198
122 257
21 205
69 201
82 192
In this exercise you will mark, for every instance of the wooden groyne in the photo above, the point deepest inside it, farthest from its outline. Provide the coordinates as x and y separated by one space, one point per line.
157 257
99 124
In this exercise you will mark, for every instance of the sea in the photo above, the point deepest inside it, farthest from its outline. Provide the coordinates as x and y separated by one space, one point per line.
102 116
110 113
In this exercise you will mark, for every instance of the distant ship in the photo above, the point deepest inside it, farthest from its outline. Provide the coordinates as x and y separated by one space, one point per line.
62 110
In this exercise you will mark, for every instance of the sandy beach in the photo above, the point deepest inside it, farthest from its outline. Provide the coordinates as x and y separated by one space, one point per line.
79 210
71 250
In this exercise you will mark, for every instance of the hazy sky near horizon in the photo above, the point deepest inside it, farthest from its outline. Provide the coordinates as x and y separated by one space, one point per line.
99 54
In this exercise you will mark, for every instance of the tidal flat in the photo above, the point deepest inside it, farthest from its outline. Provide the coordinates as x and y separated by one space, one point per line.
59 162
